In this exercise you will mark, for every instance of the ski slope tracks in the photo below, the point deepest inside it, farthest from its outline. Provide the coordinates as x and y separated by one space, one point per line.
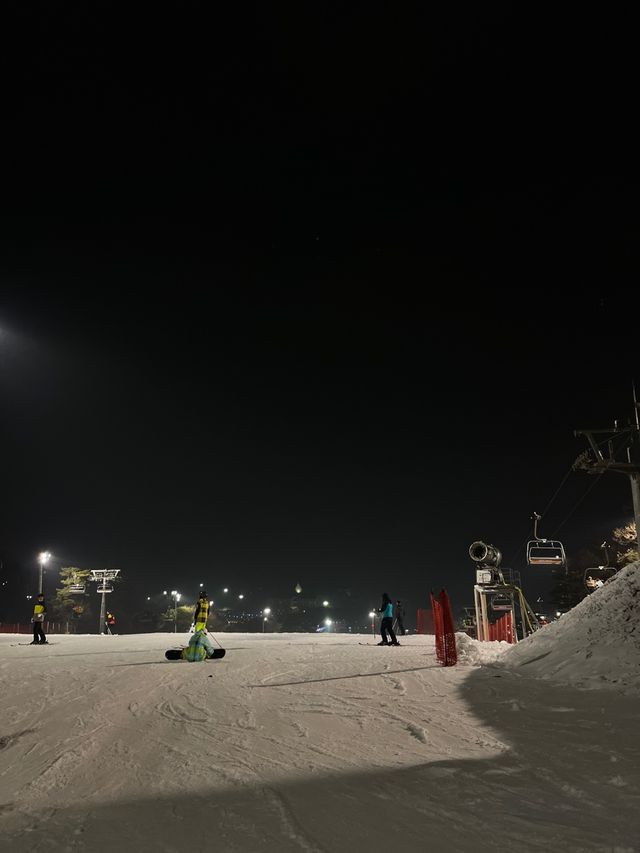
314 743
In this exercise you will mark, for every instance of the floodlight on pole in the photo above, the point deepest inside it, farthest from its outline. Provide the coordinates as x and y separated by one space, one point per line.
176 598
372 616
325 603
43 559
265 617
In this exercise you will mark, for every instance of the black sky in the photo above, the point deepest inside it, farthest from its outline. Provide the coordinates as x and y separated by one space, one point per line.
310 294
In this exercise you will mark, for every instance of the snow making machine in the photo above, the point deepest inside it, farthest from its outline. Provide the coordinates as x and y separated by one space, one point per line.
502 612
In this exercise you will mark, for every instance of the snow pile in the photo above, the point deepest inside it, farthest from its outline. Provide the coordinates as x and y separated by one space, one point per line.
474 653
597 644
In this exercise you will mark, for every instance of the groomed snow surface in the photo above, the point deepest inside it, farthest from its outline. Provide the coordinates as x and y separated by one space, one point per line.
298 742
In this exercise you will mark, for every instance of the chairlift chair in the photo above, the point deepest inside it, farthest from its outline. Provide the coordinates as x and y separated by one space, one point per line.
105 588
77 588
546 552
594 578
502 602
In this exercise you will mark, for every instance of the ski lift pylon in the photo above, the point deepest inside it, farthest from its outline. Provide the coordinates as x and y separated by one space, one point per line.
544 552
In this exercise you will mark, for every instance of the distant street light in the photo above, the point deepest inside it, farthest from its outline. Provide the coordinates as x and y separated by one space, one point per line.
328 623
265 614
325 603
241 596
43 559
226 589
176 598
372 616
148 598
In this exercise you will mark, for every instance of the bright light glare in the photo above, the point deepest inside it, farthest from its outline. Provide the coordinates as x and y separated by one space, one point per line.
225 589
201 584
44 557
325 603
327 622
267 611
211 604
241 596
148 598
372 614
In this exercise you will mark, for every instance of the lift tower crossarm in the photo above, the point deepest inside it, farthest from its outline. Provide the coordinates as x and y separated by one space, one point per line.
600 465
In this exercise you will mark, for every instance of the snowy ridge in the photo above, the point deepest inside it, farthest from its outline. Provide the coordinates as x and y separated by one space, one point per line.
595 645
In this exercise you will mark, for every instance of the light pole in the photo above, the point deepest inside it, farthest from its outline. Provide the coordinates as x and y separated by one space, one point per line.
265 613
372 616
43 559
176 598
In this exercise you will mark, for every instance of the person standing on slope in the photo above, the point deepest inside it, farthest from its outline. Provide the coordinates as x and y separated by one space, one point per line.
201 613
386 626
400 618
39 612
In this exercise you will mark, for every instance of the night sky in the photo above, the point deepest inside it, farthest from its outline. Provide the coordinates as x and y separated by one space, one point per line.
316 295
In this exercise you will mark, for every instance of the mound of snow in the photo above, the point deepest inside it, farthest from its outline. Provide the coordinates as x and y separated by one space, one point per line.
475 653
597 644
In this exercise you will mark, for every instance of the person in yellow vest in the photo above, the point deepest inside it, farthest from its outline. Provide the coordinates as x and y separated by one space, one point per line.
201 613
39 612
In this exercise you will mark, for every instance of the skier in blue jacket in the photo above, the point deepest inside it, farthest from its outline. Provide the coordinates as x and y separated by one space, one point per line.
386 626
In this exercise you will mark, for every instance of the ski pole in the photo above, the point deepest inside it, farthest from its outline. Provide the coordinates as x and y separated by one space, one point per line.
213 638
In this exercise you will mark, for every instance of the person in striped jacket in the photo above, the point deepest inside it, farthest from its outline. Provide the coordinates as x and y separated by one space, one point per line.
39 612
201 613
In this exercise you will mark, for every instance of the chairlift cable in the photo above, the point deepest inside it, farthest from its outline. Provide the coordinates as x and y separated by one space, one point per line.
555 495
578 502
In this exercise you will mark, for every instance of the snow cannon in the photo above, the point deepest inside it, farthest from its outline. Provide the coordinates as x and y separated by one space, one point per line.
486 555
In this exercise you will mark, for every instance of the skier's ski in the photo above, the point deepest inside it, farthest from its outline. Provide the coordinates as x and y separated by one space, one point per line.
32 644
379 644
176 654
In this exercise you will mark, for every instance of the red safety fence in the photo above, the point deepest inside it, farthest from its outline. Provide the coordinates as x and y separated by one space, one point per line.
502 629
20 628
424 622
446 652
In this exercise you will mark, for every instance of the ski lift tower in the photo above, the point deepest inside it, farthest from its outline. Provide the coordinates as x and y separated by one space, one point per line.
616 449
104 578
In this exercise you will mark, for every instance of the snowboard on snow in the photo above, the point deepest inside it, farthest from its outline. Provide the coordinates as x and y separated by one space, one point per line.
176 654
